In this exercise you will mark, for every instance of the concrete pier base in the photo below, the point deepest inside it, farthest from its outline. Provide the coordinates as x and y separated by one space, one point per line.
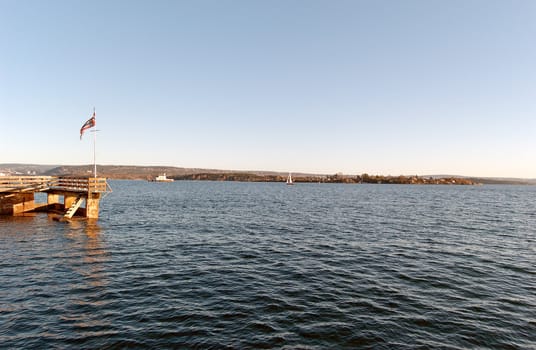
53 198
92 206
17 203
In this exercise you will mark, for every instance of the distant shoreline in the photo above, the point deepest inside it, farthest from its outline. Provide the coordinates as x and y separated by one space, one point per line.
347 179
128 172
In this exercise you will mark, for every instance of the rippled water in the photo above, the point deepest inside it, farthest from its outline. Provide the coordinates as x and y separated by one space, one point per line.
264 265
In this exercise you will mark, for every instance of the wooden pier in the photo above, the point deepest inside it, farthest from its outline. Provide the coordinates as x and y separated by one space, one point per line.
69 196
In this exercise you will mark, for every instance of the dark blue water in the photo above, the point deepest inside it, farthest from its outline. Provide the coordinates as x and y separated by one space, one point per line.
265 265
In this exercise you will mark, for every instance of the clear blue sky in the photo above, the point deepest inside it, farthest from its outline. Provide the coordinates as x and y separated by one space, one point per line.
383 87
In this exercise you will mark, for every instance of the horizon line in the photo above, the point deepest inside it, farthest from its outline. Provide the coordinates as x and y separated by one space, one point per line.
55 165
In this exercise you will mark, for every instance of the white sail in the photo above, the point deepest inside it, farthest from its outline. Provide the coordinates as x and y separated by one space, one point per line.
289 179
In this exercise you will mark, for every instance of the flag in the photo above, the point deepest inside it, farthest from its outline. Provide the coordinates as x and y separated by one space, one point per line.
88 125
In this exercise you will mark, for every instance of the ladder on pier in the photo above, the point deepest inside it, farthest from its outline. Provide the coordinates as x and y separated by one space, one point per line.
74 207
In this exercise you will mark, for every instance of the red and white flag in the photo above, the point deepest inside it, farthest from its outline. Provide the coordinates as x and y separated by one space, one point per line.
88 125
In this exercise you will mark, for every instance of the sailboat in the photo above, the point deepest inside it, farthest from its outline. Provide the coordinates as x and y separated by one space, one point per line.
289 179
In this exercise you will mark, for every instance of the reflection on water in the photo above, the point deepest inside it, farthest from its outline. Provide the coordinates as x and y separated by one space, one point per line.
85 238
87 263
57 269
88 259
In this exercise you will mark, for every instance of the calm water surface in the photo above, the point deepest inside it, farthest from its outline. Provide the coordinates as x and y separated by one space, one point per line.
265 265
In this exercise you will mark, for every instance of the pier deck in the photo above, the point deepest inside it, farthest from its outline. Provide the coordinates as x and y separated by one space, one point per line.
64 194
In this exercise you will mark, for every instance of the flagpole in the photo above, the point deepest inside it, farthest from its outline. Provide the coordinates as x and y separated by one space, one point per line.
95 153
94 149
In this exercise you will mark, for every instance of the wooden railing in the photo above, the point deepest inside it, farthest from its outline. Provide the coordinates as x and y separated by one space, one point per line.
97 184
77 184
24 183
45 183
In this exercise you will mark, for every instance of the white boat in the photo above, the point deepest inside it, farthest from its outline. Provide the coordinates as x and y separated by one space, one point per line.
162 178
289 179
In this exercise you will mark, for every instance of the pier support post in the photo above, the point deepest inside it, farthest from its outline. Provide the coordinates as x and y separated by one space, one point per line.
92 205
53 199
68 200
23 202
53 202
